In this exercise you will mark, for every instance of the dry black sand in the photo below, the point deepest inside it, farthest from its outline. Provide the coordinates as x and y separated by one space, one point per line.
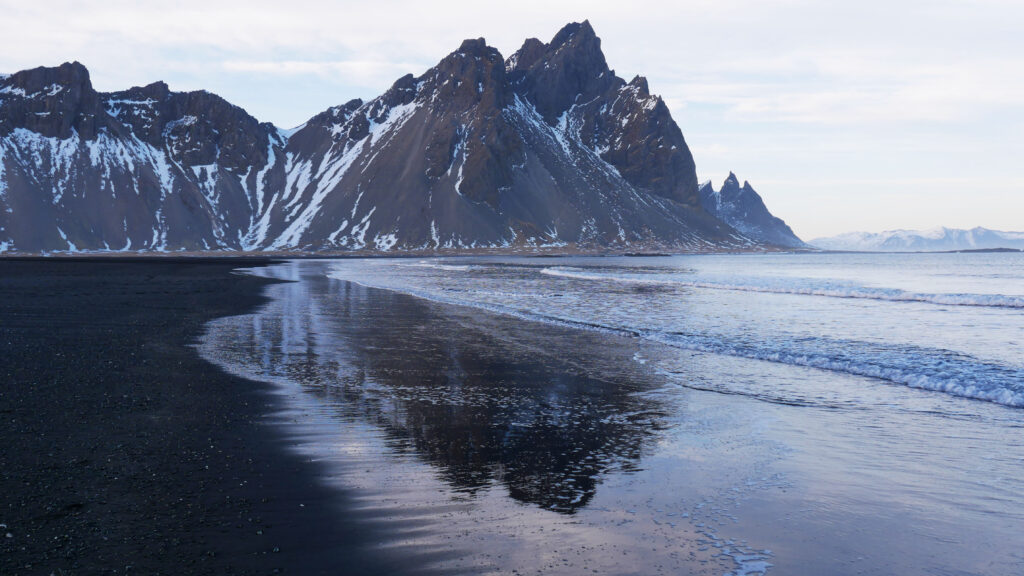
123 452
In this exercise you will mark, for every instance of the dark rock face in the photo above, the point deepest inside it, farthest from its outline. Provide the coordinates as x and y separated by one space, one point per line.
630 129
547 148
557 75
197 127
143 169
742 208
220 151
52 102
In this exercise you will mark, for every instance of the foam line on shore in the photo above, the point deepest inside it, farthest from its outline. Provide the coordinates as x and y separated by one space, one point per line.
934 370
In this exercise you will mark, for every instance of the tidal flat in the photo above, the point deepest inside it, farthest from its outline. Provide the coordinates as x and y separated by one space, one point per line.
494 415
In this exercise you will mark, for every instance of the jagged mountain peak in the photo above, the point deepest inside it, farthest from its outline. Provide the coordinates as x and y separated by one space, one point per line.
337 114
640 84
547 148
531 51
731 187
198 127
554 76
158 90
577 36
470 76
572 37
403 91
37 79
141 169
54 101
568 82
473 47
467 155
743 208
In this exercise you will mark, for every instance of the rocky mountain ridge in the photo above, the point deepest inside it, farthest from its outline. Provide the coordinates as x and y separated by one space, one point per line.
144 169
742 208
545 149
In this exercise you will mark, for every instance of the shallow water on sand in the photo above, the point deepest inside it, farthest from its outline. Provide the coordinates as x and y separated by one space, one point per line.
701 415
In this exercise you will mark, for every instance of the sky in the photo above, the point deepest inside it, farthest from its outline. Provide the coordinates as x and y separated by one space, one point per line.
868 115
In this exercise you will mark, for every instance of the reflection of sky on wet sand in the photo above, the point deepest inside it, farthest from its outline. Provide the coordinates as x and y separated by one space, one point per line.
482 443
455 396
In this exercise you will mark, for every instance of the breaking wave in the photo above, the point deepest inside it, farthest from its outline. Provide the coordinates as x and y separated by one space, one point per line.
927 369
931 369
445 267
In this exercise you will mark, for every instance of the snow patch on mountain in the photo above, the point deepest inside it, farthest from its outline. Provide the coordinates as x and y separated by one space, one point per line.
742 208
547 149
935 239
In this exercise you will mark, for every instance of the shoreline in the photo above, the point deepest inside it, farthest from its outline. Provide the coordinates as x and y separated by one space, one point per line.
504 443
125 452
524 251
539 252
369 431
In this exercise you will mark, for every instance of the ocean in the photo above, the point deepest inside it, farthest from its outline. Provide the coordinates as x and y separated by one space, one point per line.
705 414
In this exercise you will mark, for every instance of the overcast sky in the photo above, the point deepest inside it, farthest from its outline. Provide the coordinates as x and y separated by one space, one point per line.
867 115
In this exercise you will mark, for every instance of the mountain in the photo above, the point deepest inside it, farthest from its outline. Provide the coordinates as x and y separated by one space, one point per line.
548 148
937 240
143 169
742 208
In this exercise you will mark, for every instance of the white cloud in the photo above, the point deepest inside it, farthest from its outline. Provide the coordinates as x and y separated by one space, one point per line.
361 72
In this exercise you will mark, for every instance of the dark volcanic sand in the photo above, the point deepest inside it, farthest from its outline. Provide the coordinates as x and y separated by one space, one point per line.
124 452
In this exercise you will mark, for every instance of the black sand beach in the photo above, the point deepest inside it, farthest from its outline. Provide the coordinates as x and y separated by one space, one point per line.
124 452
370 431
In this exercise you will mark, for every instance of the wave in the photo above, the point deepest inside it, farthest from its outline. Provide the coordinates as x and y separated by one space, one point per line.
928 369
830 291
445 267
935 370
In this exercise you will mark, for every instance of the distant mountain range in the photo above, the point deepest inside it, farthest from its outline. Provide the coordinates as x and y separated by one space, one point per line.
742 208
547 148
937 240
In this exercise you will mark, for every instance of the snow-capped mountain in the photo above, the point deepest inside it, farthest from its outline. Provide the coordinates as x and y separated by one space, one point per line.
144 169
742 208
938 239
546 148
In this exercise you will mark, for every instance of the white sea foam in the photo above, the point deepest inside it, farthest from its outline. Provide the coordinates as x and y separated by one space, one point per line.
445 267
520 293
830 290
925 369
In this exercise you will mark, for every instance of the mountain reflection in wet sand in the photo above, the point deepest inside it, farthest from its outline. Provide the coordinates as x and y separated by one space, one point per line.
469 441
545 419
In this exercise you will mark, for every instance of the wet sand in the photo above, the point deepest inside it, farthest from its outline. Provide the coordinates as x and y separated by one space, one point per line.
124 452
480 443
372 432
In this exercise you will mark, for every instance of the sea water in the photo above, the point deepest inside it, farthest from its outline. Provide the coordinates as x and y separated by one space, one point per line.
745 414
